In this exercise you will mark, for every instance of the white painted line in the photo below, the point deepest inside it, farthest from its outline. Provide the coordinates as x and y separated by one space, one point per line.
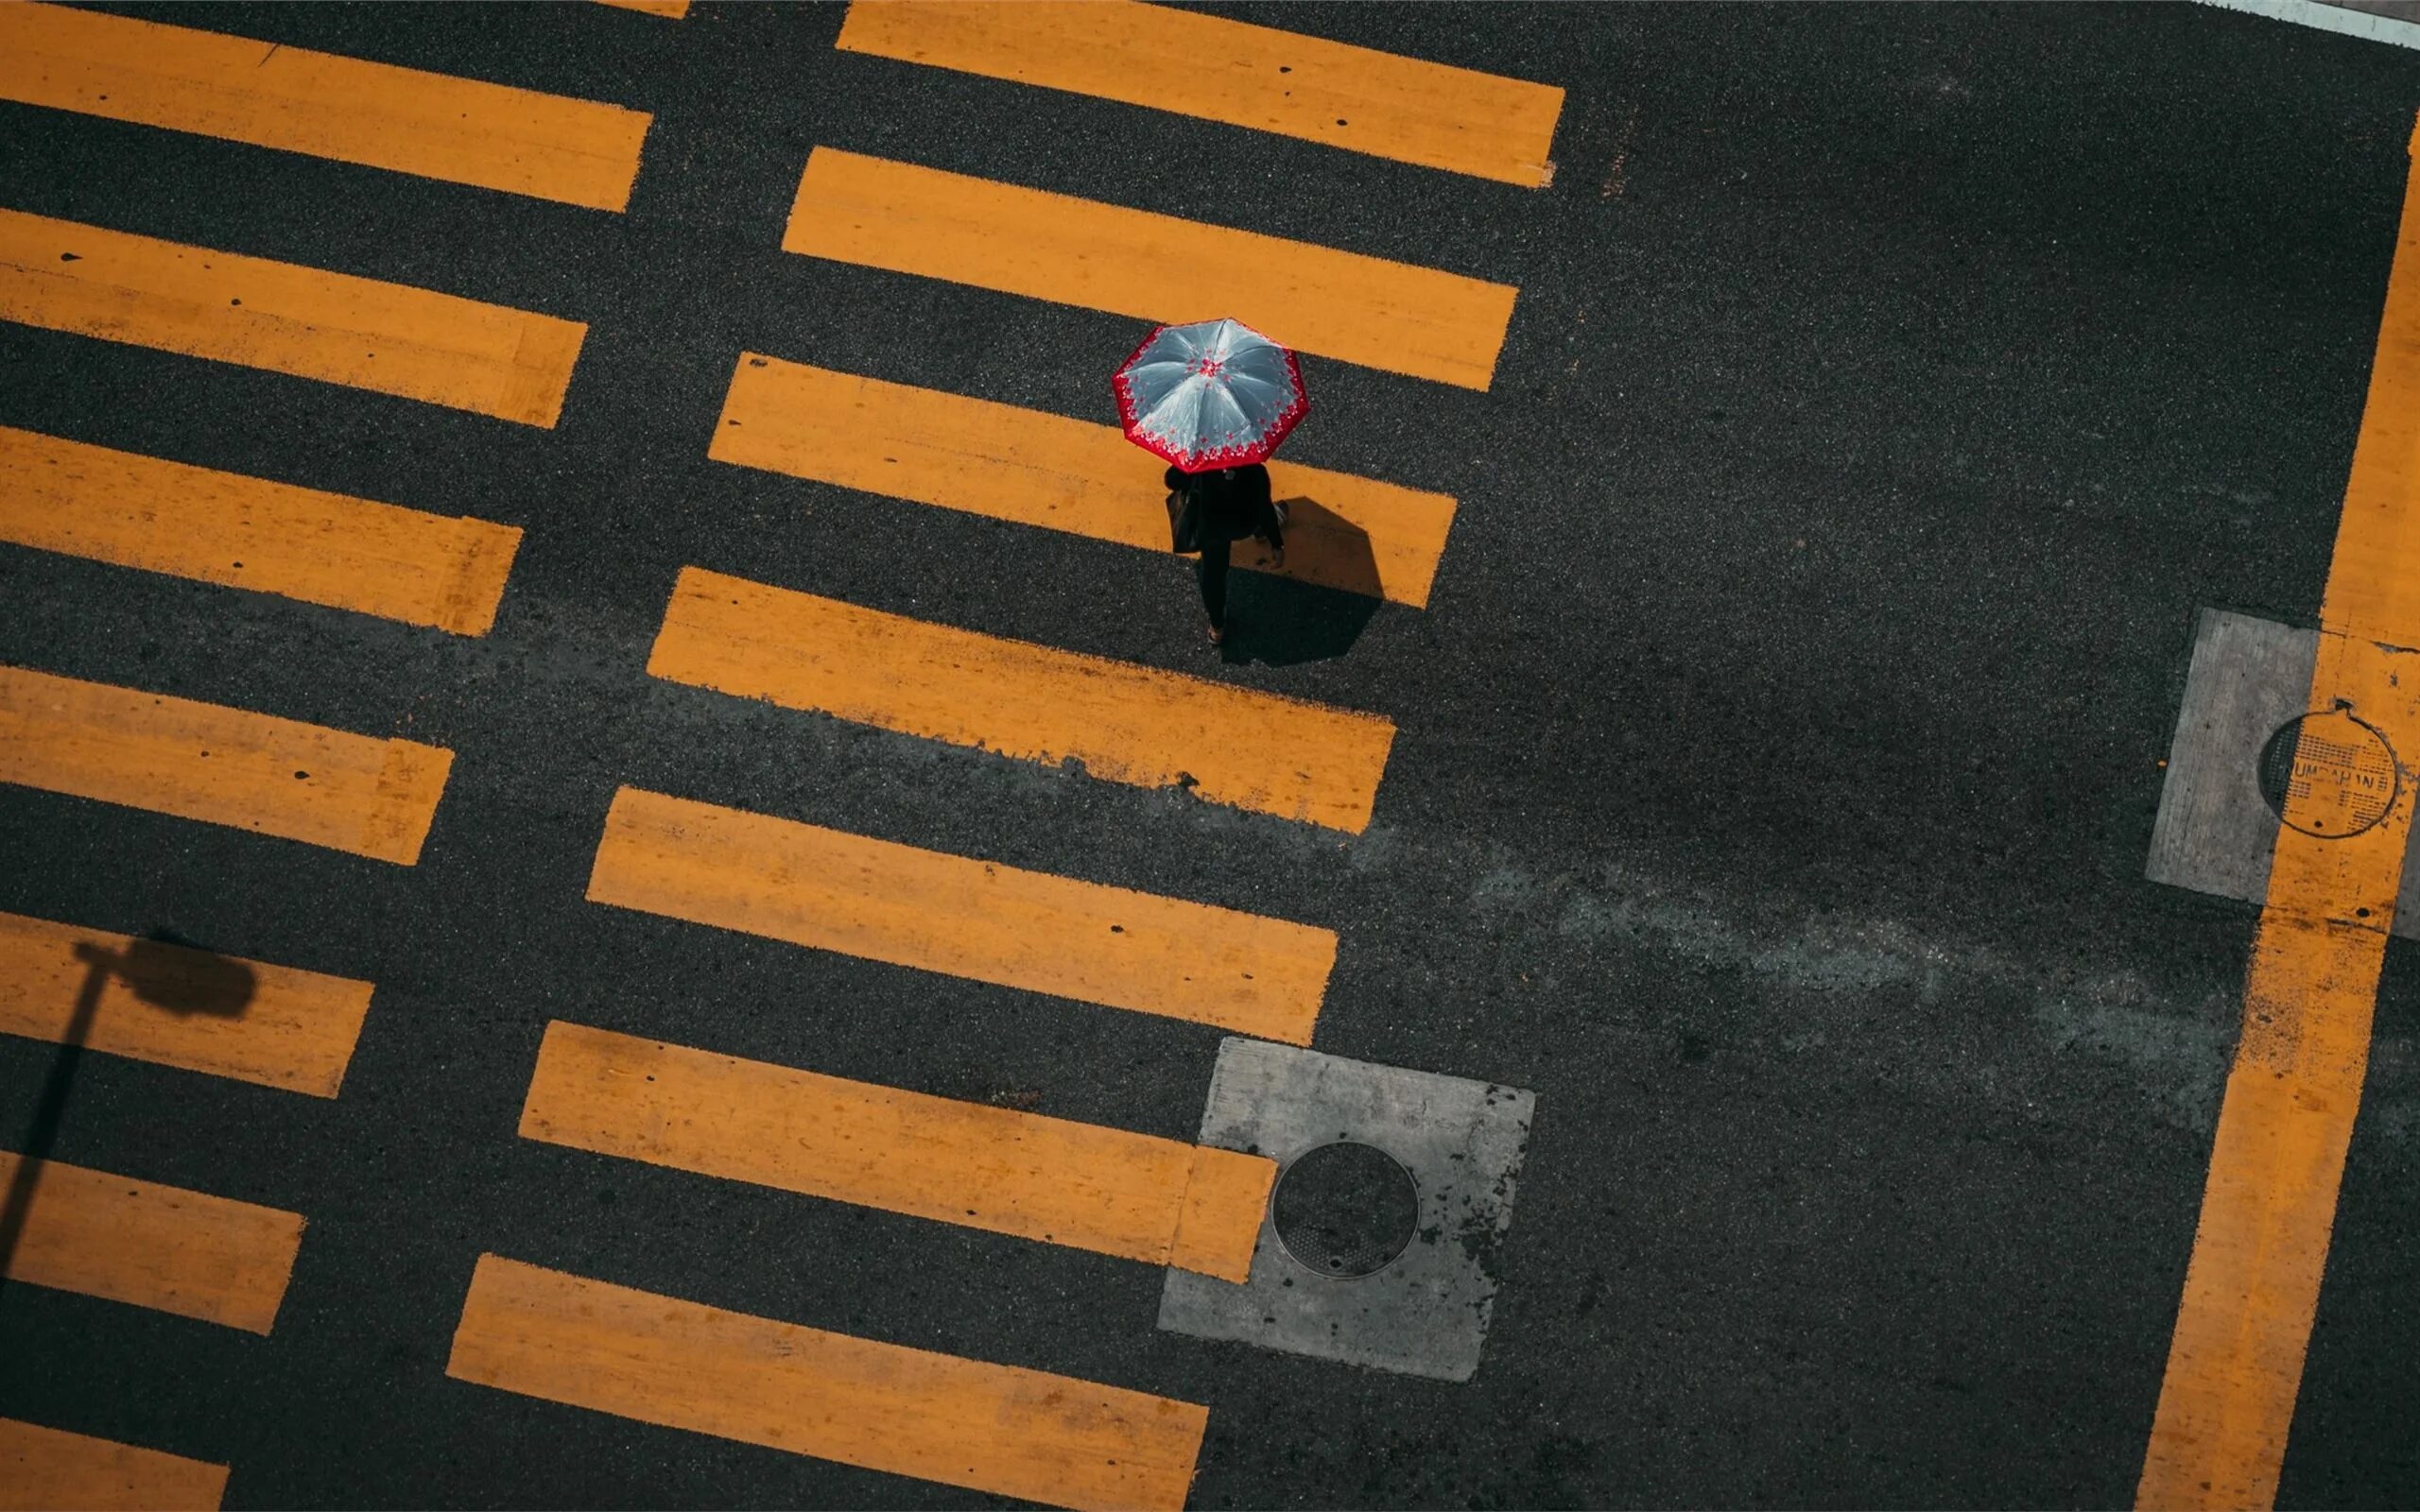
2329 18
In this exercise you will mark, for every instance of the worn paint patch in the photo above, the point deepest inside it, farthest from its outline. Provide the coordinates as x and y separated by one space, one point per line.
1427 1314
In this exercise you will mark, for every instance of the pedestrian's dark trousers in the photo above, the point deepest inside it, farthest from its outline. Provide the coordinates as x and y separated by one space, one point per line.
1214 578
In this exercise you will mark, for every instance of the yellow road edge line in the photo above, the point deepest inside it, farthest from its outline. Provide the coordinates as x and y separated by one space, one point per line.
323 104
333 549
43 1469
220 1015
204 761
668 9
389 338
147 1245
2252 1285
1128 724
995 1169
961 916
997 1429
1369 311
1361 536
1382 104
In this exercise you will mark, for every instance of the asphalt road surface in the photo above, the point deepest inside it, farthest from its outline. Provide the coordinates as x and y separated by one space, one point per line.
1773 758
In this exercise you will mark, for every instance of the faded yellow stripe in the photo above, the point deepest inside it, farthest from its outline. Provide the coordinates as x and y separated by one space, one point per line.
248 532
1127 724
223 1016
1357 309
1030 467
962 917
657 1359
2234 1363
981 1167
43 1470
668 9
436 126
152 1245
1382 104
203 760
388 338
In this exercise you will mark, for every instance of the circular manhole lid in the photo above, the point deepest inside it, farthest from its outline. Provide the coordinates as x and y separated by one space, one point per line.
2328 774
1346 1209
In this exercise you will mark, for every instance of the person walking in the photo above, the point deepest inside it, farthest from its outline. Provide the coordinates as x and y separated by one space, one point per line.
1214 400
1225 504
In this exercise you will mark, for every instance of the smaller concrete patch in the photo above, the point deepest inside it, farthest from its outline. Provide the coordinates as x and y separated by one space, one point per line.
1348 1136
2242 729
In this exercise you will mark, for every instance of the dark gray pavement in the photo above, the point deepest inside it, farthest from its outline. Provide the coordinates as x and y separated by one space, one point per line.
1888 389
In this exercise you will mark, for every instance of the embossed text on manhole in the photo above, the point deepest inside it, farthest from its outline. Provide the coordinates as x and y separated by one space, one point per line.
2328 774
1346 1209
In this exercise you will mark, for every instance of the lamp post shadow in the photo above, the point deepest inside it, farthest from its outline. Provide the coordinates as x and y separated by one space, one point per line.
160 972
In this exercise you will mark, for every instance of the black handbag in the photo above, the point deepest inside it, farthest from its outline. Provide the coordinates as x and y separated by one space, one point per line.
1184 521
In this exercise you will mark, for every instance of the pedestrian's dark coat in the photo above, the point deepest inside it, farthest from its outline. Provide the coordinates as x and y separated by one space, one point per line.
1209 512
1229 505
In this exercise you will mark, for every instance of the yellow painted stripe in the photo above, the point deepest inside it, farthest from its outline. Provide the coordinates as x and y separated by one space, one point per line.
1128 724
1357 309
224 1016
962 917
2268 1208
1132 1196
1367 101
1031 467
202 761
247 532
43 1470
151 1245
390 337
668 9
433 125
989 1428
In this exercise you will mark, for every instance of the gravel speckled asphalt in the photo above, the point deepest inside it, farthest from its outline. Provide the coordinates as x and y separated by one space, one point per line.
1888 390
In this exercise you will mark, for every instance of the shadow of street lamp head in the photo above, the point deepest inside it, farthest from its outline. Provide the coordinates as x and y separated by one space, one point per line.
163 972
172 973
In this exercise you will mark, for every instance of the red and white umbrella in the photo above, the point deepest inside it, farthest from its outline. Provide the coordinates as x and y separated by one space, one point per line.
1216 393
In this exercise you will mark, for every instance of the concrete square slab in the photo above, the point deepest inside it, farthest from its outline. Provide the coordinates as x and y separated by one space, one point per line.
2215 832
1393 1190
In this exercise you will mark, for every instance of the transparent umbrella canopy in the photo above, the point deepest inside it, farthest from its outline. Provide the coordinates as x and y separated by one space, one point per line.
1216 393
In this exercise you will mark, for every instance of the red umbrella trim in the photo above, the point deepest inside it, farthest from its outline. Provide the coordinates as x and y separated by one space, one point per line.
1202 461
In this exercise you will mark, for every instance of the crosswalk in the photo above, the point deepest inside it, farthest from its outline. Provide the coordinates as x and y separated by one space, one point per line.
1356 308
1356 98
44 1468
296 1030
116 1235
938 1418
204 761
1028 466
414 343
1126 1195
169 517
1126 724
436 126
150 1245
960 916
586 1341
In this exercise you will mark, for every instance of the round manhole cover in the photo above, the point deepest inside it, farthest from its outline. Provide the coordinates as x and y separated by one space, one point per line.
1346 1209
2328 774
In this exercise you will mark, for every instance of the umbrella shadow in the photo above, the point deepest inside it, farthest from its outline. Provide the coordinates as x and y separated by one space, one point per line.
162 972
1318 606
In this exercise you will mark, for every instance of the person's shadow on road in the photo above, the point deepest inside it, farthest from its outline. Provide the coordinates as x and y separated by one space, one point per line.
1317 609
163 973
